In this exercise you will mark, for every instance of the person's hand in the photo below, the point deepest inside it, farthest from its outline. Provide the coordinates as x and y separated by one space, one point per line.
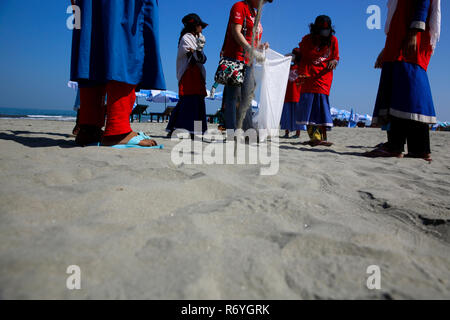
301 79
410 45
332 64
379 62
259 56
264 46
201 41
291 55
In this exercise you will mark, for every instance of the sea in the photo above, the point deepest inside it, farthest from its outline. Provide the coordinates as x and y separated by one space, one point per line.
38 114
70 115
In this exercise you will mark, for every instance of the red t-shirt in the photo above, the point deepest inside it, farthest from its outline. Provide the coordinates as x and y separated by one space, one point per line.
400 24
293 90
245 16
192 82
314 63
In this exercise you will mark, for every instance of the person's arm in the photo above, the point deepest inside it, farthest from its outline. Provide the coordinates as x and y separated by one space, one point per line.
421 15
332 64
236 31
417 25
379 62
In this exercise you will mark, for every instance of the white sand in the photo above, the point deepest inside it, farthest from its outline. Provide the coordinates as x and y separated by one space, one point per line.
140 227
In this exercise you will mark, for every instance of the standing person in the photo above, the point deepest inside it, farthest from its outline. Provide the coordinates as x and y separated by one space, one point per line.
288 117
191 75
76 106
404 103
319 53
115 52
238 46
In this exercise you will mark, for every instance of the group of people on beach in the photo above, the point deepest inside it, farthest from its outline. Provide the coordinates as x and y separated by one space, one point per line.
116 52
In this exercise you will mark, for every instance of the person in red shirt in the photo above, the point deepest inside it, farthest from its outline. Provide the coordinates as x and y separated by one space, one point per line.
288 118
319 56
404 104
237 46
191 76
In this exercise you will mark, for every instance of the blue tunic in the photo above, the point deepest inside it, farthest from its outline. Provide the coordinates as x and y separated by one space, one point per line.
314 110
118 40
404 93
288 118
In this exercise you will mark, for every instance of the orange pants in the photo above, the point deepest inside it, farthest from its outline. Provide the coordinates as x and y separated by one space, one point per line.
120 101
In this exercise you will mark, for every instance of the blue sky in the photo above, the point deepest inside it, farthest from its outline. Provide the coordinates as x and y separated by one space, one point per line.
35 48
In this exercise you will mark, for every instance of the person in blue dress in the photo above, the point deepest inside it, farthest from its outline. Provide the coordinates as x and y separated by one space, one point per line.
404 104
114 53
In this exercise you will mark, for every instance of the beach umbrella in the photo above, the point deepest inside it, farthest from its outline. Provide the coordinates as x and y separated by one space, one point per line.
334 112
343 115
217 96
365 118
143 93
352 120
164 97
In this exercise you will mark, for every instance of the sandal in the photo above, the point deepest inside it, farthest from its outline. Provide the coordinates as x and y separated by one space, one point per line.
316 143
134 143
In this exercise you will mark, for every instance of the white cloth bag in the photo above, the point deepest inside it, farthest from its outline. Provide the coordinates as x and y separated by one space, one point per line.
272 77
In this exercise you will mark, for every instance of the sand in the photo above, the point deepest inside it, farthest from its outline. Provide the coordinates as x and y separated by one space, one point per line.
140 227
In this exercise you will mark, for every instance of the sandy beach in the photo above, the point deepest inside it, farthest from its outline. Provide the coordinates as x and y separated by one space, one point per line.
140 227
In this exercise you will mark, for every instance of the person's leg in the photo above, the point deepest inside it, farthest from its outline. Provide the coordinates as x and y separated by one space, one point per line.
76 129
397 135
92 106
418 139
120 101
245 114
174 117
230 99
314 133
91 117
324 132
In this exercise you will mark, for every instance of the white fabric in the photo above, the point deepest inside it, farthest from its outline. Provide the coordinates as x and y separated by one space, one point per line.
72 85
273 77
187 42
435 22
435 19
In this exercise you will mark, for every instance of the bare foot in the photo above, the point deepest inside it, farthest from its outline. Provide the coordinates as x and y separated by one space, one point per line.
316 143
382 152
109 141
426 156
76 130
